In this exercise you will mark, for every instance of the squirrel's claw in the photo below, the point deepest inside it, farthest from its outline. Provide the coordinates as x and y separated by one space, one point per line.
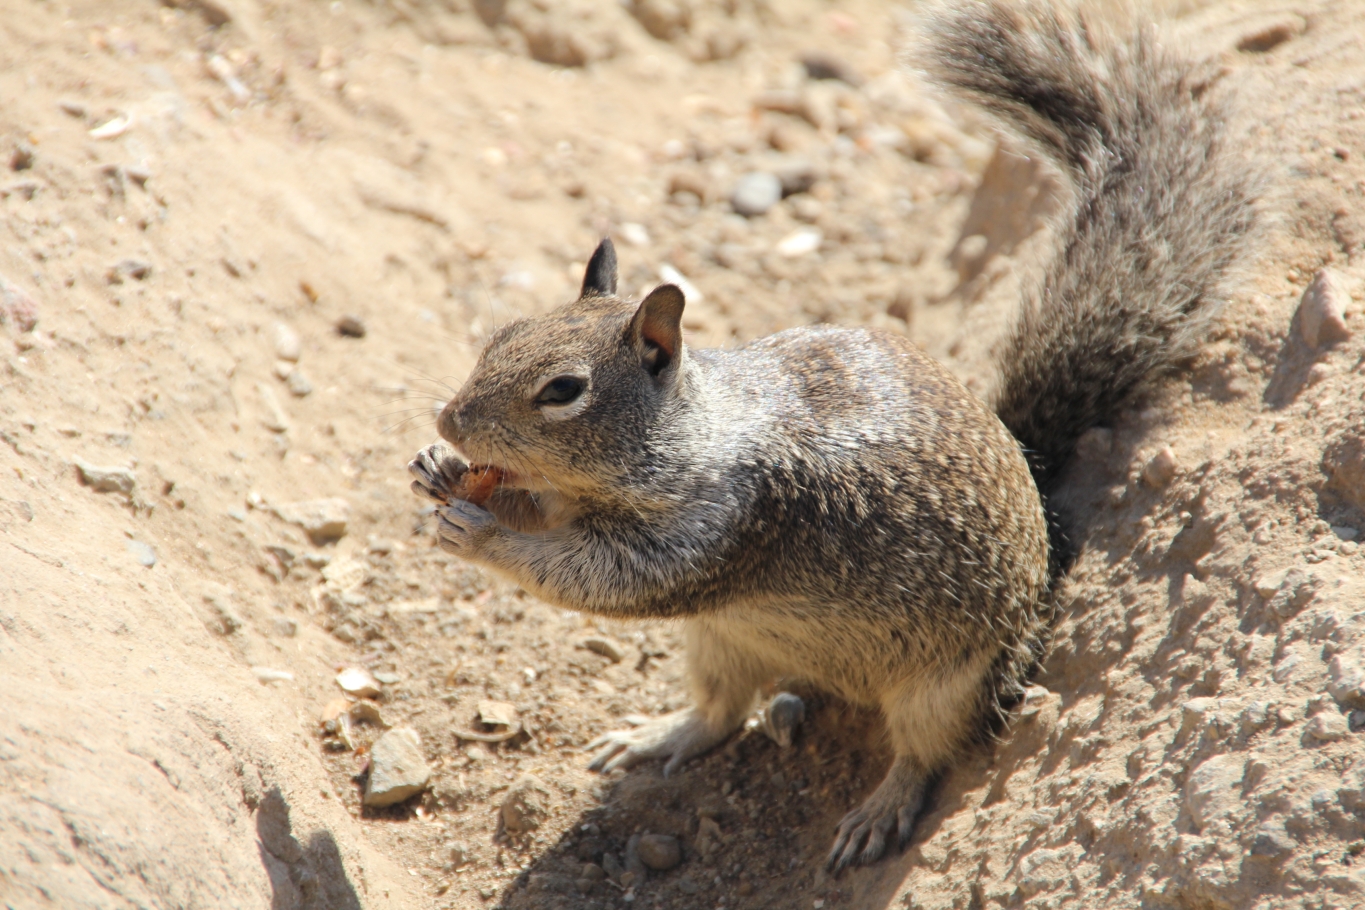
863 834
460 523
436 471
677 737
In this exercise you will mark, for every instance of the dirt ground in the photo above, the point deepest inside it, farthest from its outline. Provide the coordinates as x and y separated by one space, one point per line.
250 246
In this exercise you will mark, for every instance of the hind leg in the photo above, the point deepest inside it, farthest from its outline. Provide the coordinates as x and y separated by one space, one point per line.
724 678
929 720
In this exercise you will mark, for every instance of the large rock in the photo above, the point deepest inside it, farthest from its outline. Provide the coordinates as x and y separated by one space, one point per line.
398 769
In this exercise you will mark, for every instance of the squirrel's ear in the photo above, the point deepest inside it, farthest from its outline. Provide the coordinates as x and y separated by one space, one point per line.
600 278
658 323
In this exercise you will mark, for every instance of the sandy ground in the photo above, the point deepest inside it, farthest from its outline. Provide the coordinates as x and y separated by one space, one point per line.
199 193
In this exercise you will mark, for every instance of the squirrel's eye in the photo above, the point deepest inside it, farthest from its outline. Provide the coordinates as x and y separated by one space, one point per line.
560 390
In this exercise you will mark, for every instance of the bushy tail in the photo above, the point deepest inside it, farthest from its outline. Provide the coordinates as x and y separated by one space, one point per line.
1161 209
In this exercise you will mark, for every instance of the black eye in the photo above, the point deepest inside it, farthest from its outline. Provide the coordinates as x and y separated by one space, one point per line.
560 390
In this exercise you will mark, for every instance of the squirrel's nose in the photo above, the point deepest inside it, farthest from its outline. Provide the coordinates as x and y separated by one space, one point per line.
448 424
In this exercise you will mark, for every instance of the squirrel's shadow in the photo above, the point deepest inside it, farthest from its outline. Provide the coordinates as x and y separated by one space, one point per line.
775 811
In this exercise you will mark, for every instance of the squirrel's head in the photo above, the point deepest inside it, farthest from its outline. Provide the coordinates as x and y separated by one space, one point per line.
569 401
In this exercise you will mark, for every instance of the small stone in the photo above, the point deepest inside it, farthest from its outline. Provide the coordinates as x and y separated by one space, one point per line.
333 710
288 346
687 885
800 243
593 872
22 159
1034 699
1267 584
387 677
783 715
1356 721
459 855
275 419
635 234
1271 843
498 714
820 65
351 326
1160 468
285 628
1212 789
635 867
142 552
17 306
359 682
797 175
606 647
660 851
1322 310
1344 533
756 193
270 675
690 183
398 769
1328 727
323 520
526 806
1346 679
107 480
136 269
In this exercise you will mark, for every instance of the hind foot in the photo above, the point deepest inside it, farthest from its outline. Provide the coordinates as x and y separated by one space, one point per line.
865 832
677 737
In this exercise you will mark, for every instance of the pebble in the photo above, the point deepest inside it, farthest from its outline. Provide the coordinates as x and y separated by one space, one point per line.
137 269
351 326
387 677
398 769
635 867
756 193
275 419
634 233
1213 788
1346 679
1160 468
142 552
820 65
660 851
298 384
23 157
1328 727
800 243
288 346
17 306
1322 310
498 714
606 647
359 682
797 175
323 520
783 715
112 129
1034 699
270 675
107 480
526 805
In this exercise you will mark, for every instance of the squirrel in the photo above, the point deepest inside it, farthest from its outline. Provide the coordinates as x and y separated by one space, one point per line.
831 504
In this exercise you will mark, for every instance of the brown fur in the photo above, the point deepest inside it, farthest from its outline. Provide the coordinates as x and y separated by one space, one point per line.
830 503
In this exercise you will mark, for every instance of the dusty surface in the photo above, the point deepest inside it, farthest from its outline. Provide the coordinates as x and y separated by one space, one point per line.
183 180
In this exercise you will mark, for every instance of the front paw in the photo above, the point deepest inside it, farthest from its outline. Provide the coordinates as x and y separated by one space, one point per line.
437 472
462 527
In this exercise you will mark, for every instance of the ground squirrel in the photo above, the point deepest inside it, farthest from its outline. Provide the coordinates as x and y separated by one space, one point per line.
830 503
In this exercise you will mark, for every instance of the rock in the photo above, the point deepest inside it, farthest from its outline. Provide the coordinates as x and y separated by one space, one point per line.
1322 310
498 714
819 65
688 885
351 326
107 480
275 418
398 769
1017 195
799 243
288 346
1295 592
797 175
17 306
666 20
323 520
709 839
606 647
136 269
1346 679
526 805
634 233
781 718
459 855
635 867
1268 34
23 157
142 552
660 851
1271 843
1327 727
756 193
1160 468
1212 788
270 675
359 682
1045 870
